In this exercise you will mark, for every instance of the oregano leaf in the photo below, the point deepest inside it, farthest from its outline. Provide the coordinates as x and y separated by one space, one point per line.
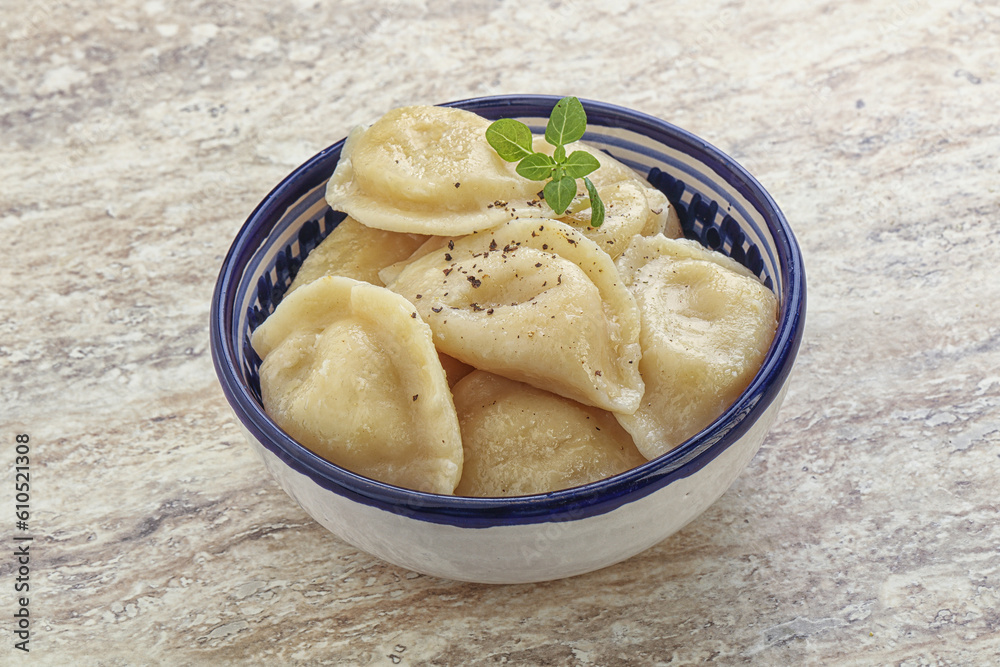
512 141
580 163
536 167
510 138
567 123
559 194
596 205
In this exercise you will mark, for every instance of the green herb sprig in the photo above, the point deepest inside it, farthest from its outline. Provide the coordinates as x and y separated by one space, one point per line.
511 139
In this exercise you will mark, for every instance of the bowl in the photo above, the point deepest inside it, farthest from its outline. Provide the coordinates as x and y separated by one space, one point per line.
537 537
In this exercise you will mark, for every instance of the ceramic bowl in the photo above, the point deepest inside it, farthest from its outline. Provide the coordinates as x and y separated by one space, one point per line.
538 537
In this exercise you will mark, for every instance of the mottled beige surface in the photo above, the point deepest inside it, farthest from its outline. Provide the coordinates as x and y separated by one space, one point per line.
137 136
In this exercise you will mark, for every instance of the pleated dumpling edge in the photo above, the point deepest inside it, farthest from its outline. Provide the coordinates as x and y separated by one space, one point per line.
534 301
707 324
350 371
430 170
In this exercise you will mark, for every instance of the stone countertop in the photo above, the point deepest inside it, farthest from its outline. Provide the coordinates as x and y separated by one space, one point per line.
136 140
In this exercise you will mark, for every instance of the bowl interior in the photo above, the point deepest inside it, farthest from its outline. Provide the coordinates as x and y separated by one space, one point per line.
719 205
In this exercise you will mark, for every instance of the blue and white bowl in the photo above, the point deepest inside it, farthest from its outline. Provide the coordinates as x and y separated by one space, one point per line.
538 537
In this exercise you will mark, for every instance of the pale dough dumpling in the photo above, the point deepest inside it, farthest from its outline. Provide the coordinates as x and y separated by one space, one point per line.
707 323
631 205
430 170
630 208
355 251
535 301
350 371
519 440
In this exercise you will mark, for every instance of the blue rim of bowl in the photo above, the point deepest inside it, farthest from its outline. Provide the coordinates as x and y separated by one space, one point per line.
565 505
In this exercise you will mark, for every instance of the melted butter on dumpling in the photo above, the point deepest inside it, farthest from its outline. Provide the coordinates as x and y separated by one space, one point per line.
535 301
350 371
355 251
707 323
519 440
430 170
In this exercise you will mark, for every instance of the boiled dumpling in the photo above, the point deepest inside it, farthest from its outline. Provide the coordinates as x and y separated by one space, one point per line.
630 208
535 301
430 170
519 440
707 323
350 371
355 251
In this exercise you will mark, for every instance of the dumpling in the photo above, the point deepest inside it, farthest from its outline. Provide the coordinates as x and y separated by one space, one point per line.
355 251
629 209
707 323
535 301
350 371
430 170
632 206
519 440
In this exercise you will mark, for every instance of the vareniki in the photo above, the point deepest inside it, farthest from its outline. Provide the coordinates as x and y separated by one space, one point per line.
453 335
350 371
707 323
429 170
519 439
535 301
355 251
